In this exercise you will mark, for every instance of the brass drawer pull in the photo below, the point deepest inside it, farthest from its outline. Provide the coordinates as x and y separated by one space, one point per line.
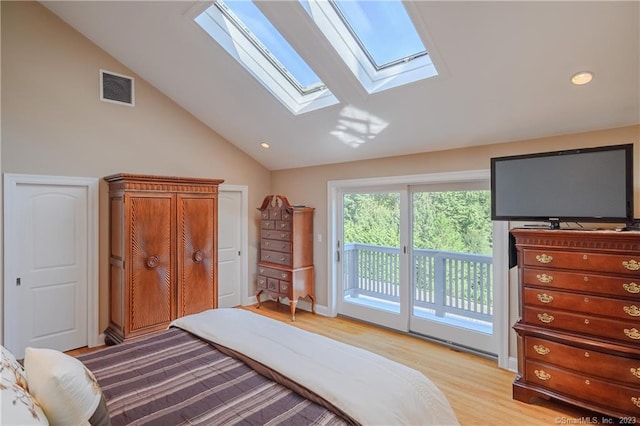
632 333
636 401
544 258
283 225
542 375
544 298
544 278
283 275
586 321
587 382
542 350
587 354
632 311
266 244
546 318
281 258
632 265
631 288
636 372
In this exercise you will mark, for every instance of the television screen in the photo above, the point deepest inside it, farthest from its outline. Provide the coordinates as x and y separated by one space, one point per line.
591 185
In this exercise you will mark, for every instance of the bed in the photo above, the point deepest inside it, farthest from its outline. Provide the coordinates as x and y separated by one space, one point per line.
232 366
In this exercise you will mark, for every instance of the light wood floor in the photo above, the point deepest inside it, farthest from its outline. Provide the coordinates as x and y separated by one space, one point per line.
479 391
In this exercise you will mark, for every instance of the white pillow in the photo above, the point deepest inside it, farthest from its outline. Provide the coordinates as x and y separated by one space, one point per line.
10 369
18 407
66 390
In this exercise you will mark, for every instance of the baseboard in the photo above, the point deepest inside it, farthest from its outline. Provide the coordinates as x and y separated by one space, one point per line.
513 364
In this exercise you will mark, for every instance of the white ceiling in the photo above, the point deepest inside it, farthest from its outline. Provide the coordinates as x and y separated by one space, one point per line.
504 70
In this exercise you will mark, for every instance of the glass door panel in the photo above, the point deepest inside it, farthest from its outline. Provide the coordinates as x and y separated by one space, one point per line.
452 267
372 262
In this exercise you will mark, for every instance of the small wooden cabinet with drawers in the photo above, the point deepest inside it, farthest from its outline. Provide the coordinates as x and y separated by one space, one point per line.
286 252
579 331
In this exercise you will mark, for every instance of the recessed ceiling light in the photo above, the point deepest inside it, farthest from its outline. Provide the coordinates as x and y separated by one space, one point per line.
582 77
264 145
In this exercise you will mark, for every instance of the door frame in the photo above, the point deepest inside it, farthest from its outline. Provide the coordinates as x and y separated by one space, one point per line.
11 182
500 249
244 239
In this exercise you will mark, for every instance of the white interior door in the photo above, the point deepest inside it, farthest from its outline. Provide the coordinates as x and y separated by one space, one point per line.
48 265
229 249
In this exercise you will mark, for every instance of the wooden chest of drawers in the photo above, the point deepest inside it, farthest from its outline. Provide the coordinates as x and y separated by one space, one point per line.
286 252
579 331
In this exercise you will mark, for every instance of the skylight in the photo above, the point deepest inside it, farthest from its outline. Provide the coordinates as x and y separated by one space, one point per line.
246 34
383 30
376 39
259 30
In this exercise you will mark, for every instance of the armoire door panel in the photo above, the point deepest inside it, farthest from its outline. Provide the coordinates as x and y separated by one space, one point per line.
152 267
196 254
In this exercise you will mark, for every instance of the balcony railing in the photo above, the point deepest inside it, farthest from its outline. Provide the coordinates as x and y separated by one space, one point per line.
443 282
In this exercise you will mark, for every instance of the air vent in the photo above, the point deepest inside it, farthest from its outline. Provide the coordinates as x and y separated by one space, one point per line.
116 88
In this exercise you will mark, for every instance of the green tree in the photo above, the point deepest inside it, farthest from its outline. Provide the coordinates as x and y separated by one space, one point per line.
456 221
372 219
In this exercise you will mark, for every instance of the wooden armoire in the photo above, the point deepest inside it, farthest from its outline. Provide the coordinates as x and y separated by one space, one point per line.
163 251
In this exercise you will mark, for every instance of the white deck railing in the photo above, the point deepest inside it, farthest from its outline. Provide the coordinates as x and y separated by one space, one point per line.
444 282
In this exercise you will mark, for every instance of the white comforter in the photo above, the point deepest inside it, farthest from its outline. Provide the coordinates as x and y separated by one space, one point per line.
370 388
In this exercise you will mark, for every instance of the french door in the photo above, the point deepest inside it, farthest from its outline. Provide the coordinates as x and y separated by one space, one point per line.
374 273
405 263
452 280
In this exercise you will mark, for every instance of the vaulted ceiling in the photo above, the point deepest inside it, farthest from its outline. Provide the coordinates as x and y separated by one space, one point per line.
504 69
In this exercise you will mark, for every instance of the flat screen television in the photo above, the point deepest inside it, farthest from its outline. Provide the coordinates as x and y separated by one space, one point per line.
578 185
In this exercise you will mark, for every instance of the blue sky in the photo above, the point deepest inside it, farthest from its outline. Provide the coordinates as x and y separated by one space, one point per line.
273 40
383 27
